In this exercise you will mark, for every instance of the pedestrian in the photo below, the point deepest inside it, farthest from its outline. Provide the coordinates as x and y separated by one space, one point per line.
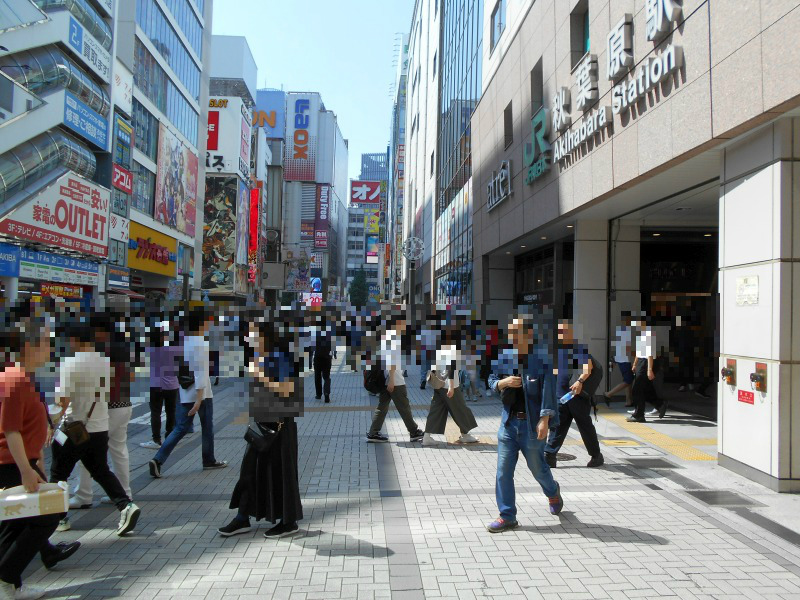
321 350
195 395
83 395
110 334
575 399
644 367
427 341
216 342
623 345
447 393
163 352
24 431
268 486
391 359
523 377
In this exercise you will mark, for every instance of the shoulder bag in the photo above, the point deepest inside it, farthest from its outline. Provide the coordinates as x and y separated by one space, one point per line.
261 437
76 431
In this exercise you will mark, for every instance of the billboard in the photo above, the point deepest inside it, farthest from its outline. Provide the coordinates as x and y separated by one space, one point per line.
219 234
84 44
71 214
372 221
365 193
228 141
307 231
298 274
242 214
270 113
44 266
85 121
152 251
323 217
372 249
302 130
176 183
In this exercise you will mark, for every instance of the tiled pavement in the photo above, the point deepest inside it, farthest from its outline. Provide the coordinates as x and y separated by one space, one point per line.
402 521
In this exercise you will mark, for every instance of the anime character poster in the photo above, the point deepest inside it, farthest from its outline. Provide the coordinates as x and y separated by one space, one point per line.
176 183
242 223
219 234
298 273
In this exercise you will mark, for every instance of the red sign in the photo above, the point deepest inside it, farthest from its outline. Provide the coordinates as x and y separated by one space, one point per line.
122 179
252 253
747 397
213 130
365 193
61 290
147 250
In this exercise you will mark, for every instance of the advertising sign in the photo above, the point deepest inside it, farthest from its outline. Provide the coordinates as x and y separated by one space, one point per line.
365 193
302 124
240 280
85 121
62 290
176 183
219 234
122 88
122 179
372 249
119 277
307 230
312 299
119 228
242 229
123 140
372 221
298 274
9 260
43 266
374 292
323 217
85 45
270 113
228 137
151 251
71 214
212 142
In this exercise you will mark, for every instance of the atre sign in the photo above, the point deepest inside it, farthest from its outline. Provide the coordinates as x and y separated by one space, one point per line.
499 187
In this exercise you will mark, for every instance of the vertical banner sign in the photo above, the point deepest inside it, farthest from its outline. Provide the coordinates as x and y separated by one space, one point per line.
219 234
302 124
252 252
176 183
242 220
213 130
323 217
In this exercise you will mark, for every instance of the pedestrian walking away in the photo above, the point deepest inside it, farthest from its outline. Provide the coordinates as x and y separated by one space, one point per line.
623 350
322 349
164 352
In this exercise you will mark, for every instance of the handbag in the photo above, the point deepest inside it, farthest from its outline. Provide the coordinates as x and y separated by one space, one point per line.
185 375
260 437
436 382
76 431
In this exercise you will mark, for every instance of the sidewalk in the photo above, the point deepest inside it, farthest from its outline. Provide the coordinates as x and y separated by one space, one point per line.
403 521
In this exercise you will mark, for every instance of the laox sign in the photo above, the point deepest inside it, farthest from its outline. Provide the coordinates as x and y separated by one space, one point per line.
301 123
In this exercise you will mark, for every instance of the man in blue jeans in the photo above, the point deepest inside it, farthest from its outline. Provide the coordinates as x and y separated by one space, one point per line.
523 378
195 399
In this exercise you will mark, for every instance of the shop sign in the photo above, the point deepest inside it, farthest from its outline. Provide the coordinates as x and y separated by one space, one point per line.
71 214
228 140
119 277
119 228
151 251
85 45
365 193
123 140
499 187
747 397
312 299
85 121
62 290
122 89
44 266
747 291
536 155
122 179
322 217
9 260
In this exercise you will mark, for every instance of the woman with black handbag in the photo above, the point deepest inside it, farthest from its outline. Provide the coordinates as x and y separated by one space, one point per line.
269 483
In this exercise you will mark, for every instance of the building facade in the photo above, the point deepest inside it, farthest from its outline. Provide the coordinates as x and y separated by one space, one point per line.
640 156
397 179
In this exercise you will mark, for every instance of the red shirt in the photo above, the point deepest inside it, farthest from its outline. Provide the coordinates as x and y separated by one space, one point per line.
22 410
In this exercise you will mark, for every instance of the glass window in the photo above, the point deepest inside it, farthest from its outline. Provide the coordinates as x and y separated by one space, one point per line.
498 22
144 189
145 126
189 24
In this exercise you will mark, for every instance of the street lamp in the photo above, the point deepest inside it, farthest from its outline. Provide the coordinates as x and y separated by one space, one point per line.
413 249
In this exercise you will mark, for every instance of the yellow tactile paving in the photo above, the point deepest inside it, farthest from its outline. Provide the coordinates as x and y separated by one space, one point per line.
669 444
699 441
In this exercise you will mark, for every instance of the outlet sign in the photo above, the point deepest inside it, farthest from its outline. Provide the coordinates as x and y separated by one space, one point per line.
499 187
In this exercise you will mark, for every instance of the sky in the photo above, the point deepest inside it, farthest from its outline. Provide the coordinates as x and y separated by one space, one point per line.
343 49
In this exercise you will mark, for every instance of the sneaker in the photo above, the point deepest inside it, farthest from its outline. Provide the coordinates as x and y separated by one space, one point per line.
682 388
75 504
151 445
155 469
282 530
631 411
417 435
128 518
556 502
235 527
377 438
597 461
651 413
63 550
29 592
500 525
63 525
551 459
467 439
7 591
428 440
633 419
218 464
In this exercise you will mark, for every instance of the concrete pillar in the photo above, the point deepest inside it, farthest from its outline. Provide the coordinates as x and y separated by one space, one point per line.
759 432
590 294
11 285
498 287
624 293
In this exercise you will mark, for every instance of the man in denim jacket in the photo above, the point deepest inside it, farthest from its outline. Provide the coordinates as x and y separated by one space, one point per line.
523 377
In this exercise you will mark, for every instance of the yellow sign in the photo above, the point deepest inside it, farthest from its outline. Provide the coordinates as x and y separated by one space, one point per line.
151 251
372 221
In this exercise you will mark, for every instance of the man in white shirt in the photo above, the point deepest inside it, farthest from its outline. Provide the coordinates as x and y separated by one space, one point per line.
195 398
623 345
391 355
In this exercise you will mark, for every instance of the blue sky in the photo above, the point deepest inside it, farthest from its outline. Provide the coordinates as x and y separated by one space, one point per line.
343 49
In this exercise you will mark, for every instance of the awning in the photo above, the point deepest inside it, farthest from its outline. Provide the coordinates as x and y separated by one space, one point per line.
124 292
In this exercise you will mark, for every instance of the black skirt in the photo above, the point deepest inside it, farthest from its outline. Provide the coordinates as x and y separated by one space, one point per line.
269 484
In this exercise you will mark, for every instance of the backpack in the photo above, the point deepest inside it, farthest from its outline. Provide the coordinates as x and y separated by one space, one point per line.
375 379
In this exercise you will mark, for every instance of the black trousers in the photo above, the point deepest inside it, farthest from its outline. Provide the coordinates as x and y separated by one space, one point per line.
168 399
21 539
322 371
578 409
94 456
643 391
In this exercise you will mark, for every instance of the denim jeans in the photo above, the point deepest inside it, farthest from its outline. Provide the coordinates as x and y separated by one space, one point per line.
183 421
513 438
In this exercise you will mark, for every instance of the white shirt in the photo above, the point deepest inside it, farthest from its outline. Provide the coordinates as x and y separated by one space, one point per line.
621 342
85 378
195 353
445 357
646 344
392 355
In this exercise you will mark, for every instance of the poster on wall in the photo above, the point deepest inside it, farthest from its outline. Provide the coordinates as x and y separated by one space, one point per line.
242 223
219 234
176 183
298 274
302 125
372 249
372 221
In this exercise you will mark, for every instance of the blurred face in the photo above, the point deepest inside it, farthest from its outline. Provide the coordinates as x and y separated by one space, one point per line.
519 337
38 353
400 326
565 333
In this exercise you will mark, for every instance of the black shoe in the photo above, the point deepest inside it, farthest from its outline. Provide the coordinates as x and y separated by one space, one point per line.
327 399
62 551
422 385
155 469
235 527
282 530
216 380
219 464
405 372
377 438
551 459
663 410
608 400
635 419
317 397
417 435
597 461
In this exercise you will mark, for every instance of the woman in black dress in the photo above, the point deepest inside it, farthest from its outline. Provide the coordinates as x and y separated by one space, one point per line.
269 484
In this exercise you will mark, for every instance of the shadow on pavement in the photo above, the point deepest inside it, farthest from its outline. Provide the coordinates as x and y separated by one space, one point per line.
342 545
569 523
